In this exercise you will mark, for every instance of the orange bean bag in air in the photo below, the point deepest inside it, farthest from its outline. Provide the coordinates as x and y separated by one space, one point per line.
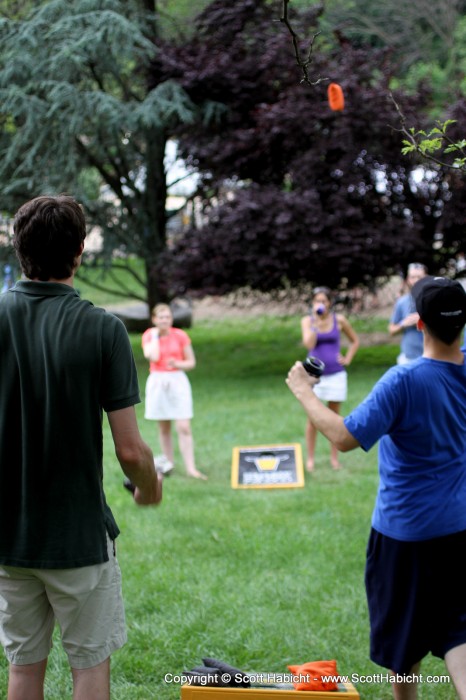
336 99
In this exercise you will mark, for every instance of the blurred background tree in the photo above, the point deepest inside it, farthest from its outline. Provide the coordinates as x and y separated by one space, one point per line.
302 193
77 116
288 191
425 39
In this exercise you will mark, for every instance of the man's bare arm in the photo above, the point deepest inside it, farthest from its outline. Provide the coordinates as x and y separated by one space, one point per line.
324 420
135 457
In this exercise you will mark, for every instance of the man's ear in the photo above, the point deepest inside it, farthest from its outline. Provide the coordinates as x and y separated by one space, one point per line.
77 260
420 325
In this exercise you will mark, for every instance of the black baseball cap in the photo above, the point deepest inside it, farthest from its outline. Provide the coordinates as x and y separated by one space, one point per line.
440 303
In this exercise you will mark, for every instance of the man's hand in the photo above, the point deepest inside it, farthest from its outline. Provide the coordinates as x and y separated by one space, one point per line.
150 496
135 457
299 381
410 320
323 418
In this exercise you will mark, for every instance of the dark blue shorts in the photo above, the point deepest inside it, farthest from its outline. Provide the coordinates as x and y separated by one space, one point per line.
417 598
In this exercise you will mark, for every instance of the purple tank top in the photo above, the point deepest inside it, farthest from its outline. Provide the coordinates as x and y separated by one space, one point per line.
327 349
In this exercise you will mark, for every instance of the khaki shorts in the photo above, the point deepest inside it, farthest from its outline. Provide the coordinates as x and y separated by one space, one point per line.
86 603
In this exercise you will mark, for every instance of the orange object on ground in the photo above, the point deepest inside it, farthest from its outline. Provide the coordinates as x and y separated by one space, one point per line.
336 99
310 676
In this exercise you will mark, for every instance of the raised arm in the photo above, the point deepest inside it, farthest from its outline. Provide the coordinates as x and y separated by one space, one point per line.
308 333
323 419
407 322
151 346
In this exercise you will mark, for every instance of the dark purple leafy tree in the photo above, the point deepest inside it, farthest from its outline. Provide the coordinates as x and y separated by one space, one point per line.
303 194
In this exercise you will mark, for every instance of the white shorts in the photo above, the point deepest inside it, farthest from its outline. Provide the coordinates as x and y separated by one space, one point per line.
168 396
332 387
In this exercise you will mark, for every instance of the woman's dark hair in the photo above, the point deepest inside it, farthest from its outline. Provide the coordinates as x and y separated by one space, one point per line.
48 234
322 290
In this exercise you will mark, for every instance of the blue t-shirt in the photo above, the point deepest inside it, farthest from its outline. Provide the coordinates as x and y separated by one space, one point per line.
412 341
418 412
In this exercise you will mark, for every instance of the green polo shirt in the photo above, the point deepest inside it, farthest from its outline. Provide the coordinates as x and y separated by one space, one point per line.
62 363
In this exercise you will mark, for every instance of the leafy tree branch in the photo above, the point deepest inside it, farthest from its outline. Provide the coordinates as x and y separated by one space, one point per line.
433 145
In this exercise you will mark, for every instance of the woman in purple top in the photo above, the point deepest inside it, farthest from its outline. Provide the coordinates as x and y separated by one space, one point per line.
321 332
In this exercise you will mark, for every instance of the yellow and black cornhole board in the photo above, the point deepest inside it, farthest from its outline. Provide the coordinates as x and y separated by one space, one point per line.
345 691
267 466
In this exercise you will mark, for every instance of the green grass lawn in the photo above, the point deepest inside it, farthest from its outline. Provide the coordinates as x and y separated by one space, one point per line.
258 578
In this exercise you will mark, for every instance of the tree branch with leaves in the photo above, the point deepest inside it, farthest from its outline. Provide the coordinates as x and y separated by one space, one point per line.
433 145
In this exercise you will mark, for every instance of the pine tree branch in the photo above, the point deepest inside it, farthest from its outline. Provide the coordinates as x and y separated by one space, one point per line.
177 180
123 290
118 281
113 181
126 92
109 290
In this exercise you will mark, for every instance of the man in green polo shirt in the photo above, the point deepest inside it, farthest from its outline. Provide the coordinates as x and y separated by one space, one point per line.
62 363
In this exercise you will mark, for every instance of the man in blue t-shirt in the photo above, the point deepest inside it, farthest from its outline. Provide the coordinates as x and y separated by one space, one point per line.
417 413
405 317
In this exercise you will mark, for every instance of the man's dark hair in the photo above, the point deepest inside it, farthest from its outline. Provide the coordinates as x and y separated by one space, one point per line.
446 335
441 305
48 234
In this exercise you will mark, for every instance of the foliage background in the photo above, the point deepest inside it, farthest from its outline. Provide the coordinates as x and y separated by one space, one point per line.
289 191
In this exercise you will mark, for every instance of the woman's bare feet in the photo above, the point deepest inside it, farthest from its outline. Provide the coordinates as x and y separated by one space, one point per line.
310 465
197 475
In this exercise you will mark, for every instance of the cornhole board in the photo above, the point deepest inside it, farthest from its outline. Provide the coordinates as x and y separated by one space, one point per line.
346 691
267 467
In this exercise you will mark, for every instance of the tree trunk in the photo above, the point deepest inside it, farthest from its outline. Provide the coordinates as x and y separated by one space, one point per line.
155 196
150 6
